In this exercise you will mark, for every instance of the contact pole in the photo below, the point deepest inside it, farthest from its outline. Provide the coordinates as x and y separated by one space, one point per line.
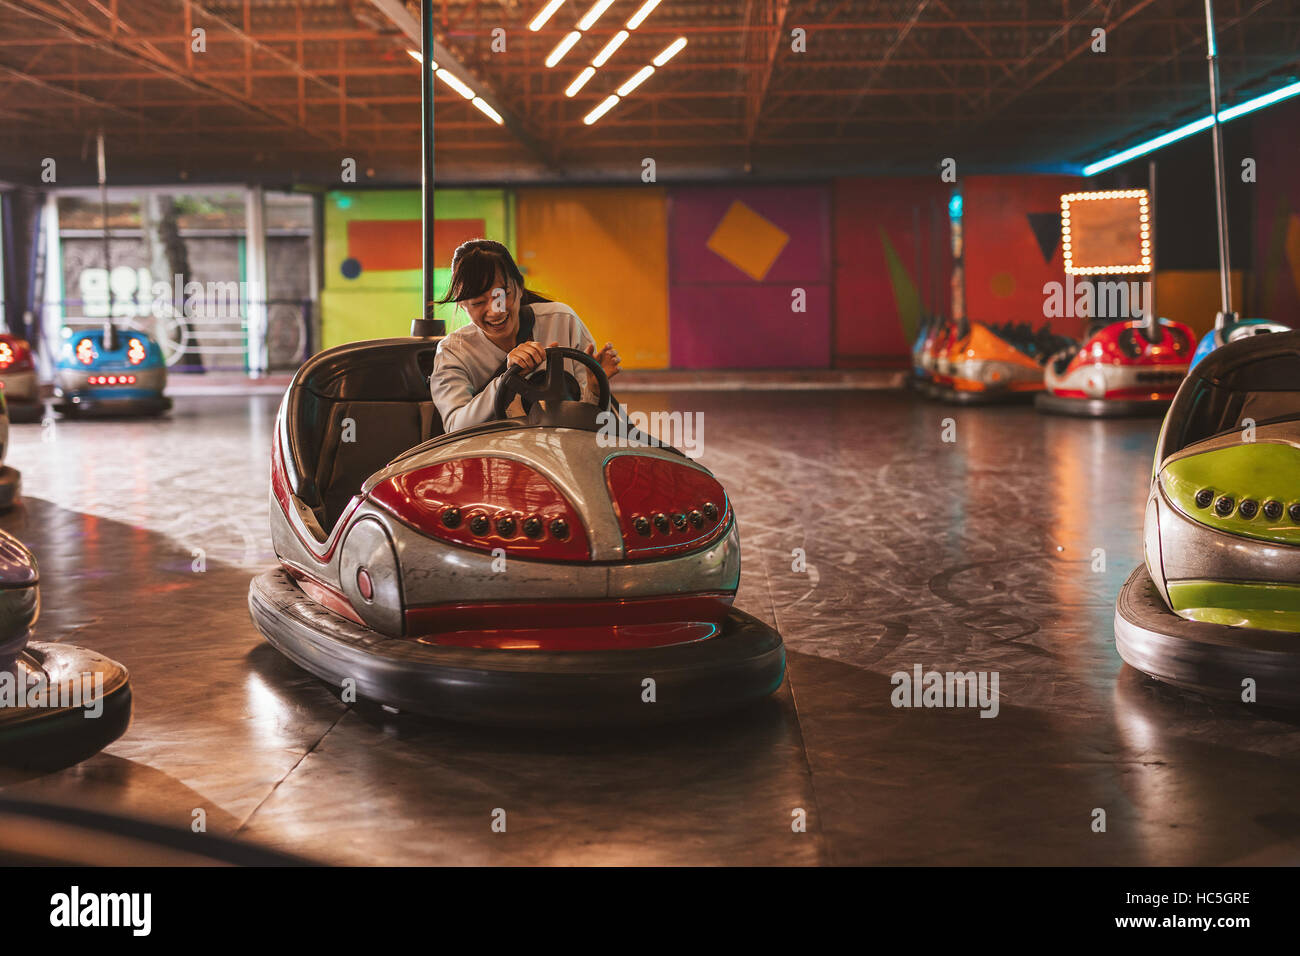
1220 184
110 331
430 325
1154 331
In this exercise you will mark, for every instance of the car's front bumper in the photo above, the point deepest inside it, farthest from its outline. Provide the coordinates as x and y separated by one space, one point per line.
743 662
85 706
1216 659
109 404
1054 404
19 386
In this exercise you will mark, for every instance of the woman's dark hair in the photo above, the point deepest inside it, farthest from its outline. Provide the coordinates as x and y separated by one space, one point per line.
474 269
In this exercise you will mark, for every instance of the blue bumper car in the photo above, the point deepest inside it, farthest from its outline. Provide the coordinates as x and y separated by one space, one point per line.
1234 332
108 373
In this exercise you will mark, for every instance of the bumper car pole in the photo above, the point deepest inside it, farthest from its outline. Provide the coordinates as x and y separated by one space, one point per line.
110 331
1226 316
428 324
1152 331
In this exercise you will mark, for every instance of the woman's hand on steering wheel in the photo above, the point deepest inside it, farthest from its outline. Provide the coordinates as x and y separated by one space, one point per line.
528 356
609 361
553 389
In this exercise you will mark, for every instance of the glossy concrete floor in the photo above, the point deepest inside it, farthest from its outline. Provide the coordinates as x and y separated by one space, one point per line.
976 554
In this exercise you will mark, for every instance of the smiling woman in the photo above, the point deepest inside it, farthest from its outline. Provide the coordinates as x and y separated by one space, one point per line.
508 324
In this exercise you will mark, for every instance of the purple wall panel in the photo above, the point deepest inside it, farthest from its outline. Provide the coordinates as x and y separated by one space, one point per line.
721 317
748 326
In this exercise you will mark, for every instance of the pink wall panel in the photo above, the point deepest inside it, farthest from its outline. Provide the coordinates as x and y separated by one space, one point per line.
1275 291
892 259
724 316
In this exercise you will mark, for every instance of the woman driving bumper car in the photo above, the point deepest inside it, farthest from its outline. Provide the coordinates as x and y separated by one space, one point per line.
508 323
516 570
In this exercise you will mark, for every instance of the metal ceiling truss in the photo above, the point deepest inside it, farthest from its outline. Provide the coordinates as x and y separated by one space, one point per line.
287 88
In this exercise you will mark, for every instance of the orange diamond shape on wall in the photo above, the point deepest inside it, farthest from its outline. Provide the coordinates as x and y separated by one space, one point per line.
748 241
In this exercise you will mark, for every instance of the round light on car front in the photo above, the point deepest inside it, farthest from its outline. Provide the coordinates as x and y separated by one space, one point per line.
1273 510
86 353
1248 509
135 351
1204 498
1223 507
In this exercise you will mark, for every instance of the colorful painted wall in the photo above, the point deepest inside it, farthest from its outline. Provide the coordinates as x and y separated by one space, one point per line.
1012 234
791 276
1276 288
891 261
373 255
603 251
1192 296
749 277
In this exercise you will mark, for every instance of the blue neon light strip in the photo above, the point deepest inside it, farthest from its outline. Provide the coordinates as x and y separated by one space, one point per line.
1204 123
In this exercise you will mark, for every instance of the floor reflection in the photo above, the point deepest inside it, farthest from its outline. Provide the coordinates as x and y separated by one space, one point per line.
871 542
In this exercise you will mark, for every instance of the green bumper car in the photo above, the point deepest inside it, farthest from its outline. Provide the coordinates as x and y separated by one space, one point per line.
1215 609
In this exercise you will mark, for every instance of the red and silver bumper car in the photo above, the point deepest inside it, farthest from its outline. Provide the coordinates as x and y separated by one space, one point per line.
526 570
1125 369
58 703
18 380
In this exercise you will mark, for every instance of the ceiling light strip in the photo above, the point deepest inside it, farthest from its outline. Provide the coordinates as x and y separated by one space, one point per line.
1190 129
635 80
461 87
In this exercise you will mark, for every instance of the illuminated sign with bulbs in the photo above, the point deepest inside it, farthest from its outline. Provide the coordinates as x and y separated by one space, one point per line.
1108 232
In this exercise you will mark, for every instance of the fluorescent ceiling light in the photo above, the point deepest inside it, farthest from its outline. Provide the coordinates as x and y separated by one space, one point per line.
418 57
456 83
670 51
638 18
1190 129
637 79
580 81
615 42
544 14
606 105
592 15
1259 102
488 111
563 47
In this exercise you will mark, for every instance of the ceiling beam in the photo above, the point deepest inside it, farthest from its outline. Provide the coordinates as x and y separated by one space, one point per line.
401 17
913 19
777 9
295 68
156 61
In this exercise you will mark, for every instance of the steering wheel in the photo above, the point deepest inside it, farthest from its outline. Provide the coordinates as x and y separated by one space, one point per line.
552 389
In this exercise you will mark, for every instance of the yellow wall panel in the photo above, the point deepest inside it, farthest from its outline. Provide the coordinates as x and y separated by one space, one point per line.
604 252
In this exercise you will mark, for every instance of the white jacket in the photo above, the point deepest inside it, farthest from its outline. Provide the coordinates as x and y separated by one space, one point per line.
465 376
